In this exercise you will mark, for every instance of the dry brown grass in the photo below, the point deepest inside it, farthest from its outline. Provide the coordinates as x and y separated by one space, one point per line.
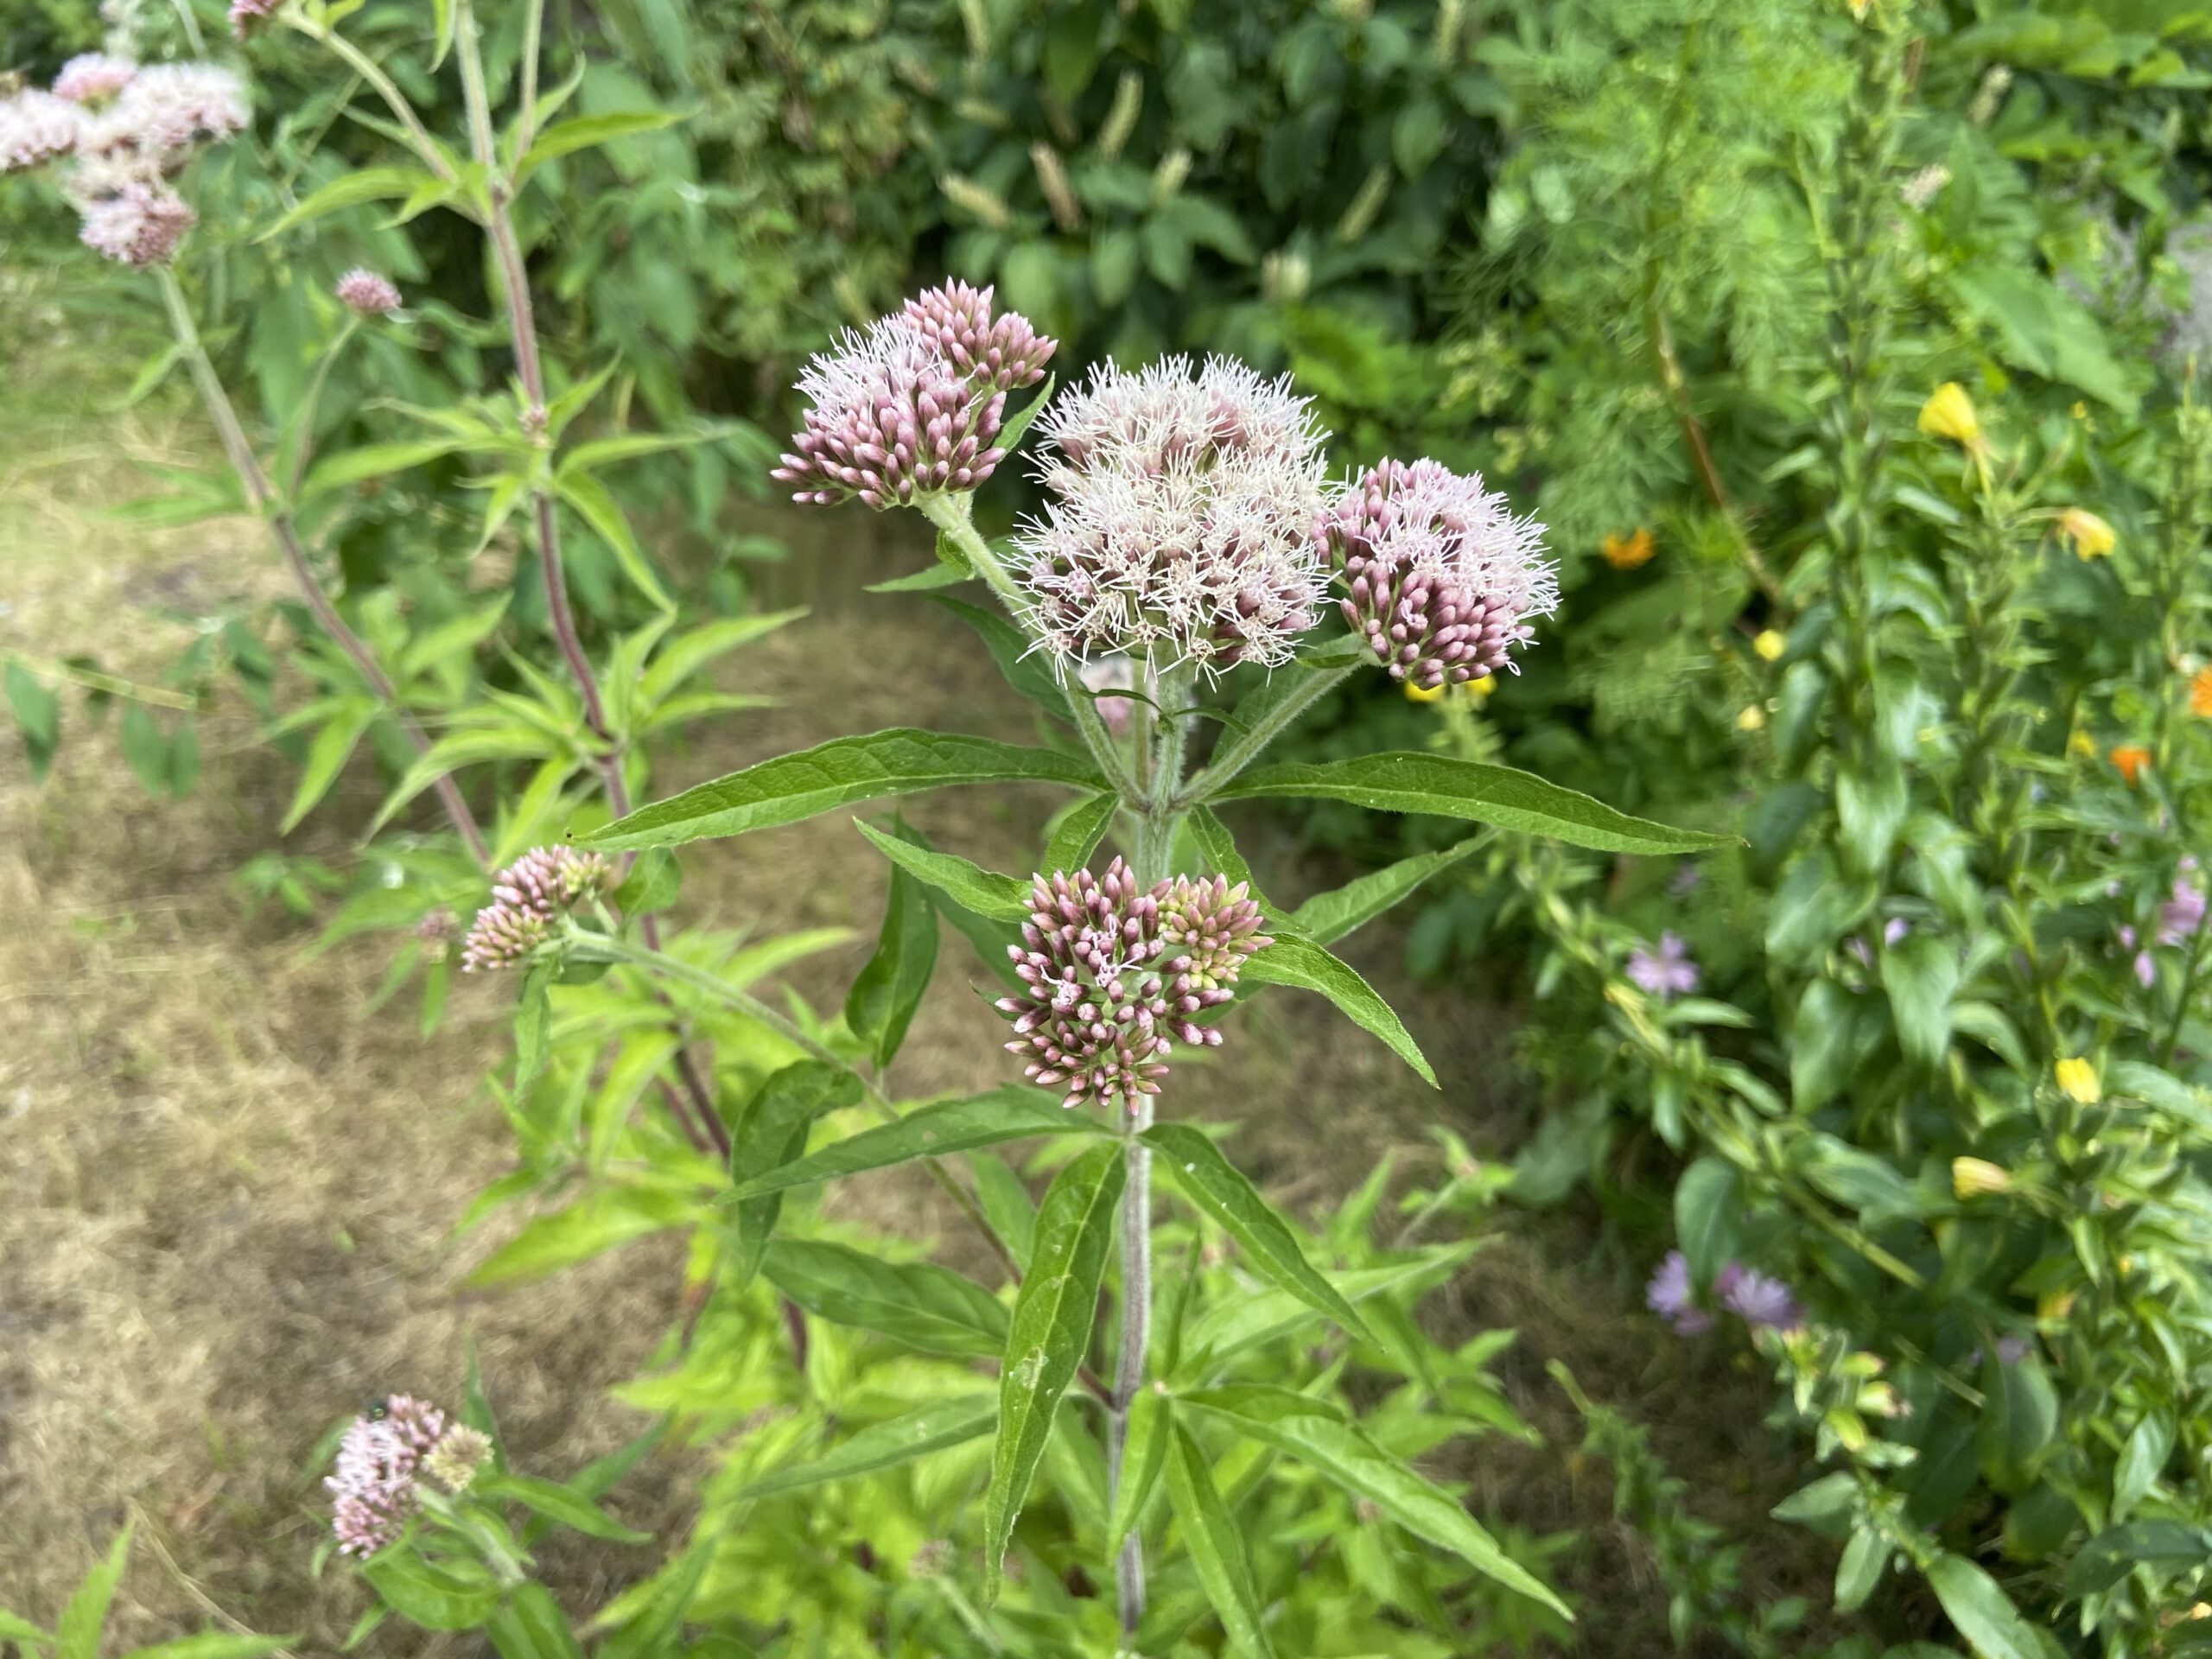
226 1192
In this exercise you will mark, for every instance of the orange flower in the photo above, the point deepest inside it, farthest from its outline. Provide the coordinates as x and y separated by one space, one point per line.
1626 552
2131 758
2200 694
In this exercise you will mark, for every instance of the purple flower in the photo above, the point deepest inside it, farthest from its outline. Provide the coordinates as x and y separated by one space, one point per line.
528 898
2013 1348
1111 673
1441 578
2146 971
1181 518
140 224
2182 914
94 78
1760 1301
1894 930
373 1486
1670 1297
914 406
1667 973
1114 974
367 293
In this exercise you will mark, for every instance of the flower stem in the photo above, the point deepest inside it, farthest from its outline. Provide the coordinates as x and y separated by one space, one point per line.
265 501
1242 750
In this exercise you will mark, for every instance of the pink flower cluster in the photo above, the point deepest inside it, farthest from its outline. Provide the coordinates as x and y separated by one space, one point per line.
124 132
367 293
373 1487
1440 576
1115 974
1181 518
528 898
914 406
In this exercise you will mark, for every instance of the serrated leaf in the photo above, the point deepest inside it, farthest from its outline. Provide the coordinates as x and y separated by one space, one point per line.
934 1427
369 184
892 982
1049 1331
1472 789
1144 1457
557 1503
1013 1113
326 757
588 132
794 787
772 1132
1216 1545
1317 1433
1219 1189
1327 917
596 505
1302 964
1001 898
374 461
917 1303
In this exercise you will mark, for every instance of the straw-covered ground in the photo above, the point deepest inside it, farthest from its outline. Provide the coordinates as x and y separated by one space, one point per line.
228 1189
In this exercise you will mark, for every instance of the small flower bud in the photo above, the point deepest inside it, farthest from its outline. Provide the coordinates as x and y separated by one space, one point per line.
367 293
1977 1178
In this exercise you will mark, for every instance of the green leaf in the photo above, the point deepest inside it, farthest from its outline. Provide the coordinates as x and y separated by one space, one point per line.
1144 1457
2117 1551
923 580
530 1625
2141 1460
1468 789
77 1633
1860 1569
589 132
917 1303
1050 1329
370 184
1921 974
653 883
933 1427
374 461
794 787
1007 1205
1219 1189
2019 1421
1708 1217
1217 848
1984 1614
556 1502
431 1596
1318 1435
651 1628
1001 898
1327 917
1011 433
212 1645
1076 835
38 715
1230 1326
1300 962
20 1630
891 984
533 1014
1010 1113
596 505
1216 1545
595 1223
771 1132
327 758
1027 671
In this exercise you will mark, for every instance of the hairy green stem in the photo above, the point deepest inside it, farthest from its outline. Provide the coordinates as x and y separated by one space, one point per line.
395 100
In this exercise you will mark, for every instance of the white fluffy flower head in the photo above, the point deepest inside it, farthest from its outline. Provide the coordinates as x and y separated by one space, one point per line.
1182 517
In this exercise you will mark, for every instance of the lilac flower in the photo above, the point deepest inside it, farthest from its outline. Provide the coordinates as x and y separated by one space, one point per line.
1670 1297
1760 1301
247 16
2182 914
1111 673
367 293
914 406
373 1486
164 110
139 223
1441 578
528 898
1181 518
94 78
1114 974
1667 973
36 128
2146 970
2012 1348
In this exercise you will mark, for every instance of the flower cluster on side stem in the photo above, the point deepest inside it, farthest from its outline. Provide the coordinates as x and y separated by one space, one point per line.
373 1487
527 898
914 406
1116 973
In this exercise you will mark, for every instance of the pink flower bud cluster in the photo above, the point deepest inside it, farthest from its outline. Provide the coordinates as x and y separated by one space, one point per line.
367 293
1181 518
372 1486
247 16
528 898
123 132
1439 576
1115 974
914 406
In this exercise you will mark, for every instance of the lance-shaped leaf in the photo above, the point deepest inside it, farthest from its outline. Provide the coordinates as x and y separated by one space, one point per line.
1144 1455
1318 1434
917 1303
891 984
1327 917
771 1132
530 1625
1050 1330
77 1632
794 787
1006 1114
1472 789
1300 962
933 1427
1210 1533
1076 835
559 1504
1217 1187
999 897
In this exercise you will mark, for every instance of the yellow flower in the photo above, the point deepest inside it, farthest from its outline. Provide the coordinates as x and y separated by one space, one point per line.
1977 1178
2200 694
1750 718
1626 552
1770 644
2092 536
1949 414
2079 1080
2055 1304
2132 759
2080 411
1479 691
2081 744
1422 693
